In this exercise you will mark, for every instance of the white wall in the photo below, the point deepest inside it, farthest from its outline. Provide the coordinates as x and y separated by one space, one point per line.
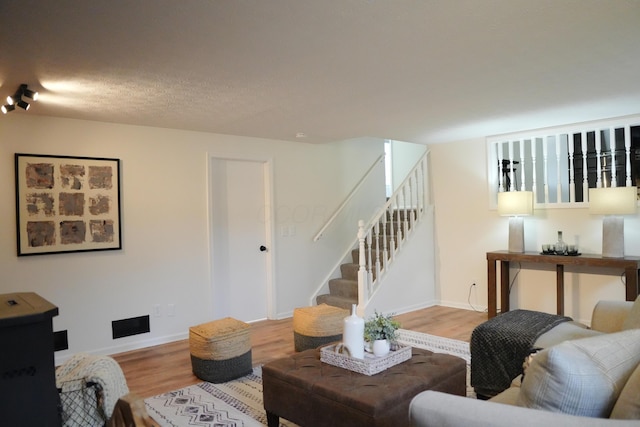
164 259
409 282
404 156
466 229
165 255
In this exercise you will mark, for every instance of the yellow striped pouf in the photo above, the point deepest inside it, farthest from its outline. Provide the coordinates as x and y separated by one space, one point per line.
220 350
317 325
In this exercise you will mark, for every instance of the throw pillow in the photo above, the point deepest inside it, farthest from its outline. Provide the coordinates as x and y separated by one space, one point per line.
628 405
633 318
581 377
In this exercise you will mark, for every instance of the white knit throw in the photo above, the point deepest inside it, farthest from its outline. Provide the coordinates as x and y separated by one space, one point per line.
72 378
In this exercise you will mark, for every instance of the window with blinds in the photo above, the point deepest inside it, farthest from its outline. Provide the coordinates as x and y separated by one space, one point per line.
560 164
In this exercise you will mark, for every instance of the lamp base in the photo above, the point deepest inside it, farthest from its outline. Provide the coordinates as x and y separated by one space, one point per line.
613 237
516 234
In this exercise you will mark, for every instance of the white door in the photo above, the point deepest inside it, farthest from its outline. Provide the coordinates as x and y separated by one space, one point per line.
239 239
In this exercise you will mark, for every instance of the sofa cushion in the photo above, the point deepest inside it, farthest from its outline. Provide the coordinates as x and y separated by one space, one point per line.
571 330
581 377
628 405
633 318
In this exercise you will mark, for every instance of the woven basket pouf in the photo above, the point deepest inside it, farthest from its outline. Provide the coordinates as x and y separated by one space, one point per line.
220 350
317 325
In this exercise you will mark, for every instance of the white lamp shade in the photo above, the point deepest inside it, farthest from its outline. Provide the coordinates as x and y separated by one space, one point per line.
613 200
515 203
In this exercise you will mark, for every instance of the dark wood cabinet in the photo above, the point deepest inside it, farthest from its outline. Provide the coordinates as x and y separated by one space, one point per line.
29 396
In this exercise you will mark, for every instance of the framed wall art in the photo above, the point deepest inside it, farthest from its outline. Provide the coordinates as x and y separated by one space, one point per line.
67 204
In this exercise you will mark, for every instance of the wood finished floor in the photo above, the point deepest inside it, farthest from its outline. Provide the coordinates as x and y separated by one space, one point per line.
166 367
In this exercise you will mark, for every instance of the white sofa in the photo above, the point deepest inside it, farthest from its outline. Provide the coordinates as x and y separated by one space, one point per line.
583 377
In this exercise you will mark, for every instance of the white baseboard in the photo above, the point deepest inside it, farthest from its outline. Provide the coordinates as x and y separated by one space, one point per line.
464 306
63 356
415 307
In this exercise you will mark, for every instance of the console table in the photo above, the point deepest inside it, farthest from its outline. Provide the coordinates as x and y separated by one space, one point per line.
630 265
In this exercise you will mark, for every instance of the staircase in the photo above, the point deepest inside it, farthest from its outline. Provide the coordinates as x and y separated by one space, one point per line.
378 243
343 291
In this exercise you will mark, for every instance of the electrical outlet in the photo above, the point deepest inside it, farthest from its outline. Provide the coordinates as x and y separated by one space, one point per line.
171 309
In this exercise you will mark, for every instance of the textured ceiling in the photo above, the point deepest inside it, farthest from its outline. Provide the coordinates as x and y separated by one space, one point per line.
424 71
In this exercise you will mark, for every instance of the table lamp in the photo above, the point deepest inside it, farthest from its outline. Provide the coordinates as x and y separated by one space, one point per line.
613 202
515 205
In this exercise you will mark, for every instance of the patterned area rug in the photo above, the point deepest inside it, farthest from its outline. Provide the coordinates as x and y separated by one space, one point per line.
238 403
235 403
439 345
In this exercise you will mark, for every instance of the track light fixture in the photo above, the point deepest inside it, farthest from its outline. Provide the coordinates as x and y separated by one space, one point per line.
6 108
16 99
24 105
29 93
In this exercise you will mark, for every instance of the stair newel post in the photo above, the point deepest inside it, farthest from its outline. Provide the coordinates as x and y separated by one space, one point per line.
363 294
377 232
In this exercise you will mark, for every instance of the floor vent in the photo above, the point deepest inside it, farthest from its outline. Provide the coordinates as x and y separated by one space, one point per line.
132 326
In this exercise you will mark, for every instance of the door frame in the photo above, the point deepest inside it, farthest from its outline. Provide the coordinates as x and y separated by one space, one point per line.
269 216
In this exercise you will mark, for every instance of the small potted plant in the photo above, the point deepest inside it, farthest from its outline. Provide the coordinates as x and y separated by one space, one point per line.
380 332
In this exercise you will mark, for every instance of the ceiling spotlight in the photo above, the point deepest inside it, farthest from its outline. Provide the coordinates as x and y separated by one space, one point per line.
10 100
24 105
6 108
28 92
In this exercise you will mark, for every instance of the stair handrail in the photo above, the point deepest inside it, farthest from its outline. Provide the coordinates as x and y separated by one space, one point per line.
347 199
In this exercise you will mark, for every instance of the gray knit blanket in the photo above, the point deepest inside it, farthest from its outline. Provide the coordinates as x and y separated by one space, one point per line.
499 346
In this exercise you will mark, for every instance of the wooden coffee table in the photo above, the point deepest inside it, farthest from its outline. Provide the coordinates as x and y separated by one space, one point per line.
311 393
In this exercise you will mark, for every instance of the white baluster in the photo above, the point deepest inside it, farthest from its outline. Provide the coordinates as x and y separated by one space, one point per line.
522 186
424 195
412 207
405 221
558 180
572 183
392 229
399 235
598 159
500 174
511 168
534 183
369 260
585 174
363 286
385 250
376 229
545 159
627 151
614 172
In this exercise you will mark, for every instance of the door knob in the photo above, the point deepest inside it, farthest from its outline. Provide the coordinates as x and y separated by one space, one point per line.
263 248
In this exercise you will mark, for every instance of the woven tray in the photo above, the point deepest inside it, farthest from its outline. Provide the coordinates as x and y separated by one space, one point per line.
370 365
